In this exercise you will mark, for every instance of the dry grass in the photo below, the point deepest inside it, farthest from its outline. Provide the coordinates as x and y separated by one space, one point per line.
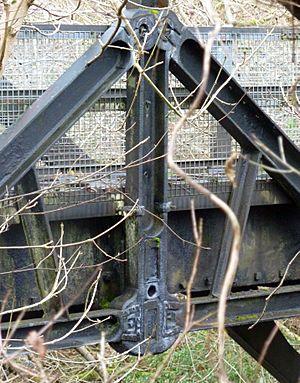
195 360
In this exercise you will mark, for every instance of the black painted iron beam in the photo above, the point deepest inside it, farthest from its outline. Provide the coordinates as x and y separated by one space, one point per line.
240 202
23 96
287 32
244 308
293 7
149 312
36 27
61 106
26 96
37 232
280 359
103 206
85 335
233 108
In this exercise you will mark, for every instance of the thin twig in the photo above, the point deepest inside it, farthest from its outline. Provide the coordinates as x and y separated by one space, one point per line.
114 33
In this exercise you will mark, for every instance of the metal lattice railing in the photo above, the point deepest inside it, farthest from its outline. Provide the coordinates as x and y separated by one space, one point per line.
87 162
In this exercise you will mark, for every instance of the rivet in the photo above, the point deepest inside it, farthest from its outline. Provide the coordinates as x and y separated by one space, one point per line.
257 276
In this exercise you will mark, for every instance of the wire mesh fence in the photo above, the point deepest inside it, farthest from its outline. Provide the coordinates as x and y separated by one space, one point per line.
87 163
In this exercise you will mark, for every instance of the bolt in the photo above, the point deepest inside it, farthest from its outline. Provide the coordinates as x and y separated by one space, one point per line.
257 276
143 29
281 273
106 276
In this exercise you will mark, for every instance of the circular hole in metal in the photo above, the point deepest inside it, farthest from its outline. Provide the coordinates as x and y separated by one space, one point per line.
152 291
143 29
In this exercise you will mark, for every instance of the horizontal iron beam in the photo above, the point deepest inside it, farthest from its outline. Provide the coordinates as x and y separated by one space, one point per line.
26 96
64 28
246 307
61 106
103 204
286 32
85 335
12 96
243 309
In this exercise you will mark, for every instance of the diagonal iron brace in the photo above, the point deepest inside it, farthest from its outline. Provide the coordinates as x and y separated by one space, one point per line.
62 105
231 106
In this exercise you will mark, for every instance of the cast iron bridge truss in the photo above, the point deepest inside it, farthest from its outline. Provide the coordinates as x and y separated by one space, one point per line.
70 142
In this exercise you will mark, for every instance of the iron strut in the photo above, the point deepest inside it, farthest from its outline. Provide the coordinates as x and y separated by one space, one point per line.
150 318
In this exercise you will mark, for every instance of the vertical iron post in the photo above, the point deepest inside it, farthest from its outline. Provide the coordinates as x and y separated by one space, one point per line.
149 315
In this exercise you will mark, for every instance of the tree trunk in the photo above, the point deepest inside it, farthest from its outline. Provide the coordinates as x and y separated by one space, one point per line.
14 12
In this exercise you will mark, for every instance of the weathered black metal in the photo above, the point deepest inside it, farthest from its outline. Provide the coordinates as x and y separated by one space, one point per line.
245 307
62 329
148 309
145 294
37 231
281 359
60 107
240 203
233 108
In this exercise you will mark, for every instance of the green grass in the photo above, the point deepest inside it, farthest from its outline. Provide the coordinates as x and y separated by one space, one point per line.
195 360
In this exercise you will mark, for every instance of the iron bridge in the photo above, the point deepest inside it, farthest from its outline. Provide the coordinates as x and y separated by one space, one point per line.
89 207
